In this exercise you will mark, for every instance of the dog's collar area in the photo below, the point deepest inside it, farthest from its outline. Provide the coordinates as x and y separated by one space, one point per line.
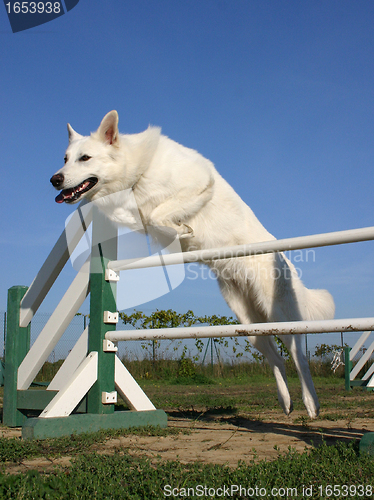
73 194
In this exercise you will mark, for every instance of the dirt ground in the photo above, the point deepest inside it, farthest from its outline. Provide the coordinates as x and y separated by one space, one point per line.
222 439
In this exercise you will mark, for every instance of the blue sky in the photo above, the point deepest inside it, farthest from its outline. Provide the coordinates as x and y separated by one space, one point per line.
278 94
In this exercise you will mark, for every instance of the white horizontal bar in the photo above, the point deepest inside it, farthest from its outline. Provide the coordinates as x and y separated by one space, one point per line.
317 240
256 329
54 263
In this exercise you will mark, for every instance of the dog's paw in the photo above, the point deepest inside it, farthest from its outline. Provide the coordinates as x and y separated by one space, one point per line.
312 406
185 231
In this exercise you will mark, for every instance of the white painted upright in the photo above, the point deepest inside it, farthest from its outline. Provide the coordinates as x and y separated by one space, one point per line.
53 330
74 391
54 263
129 389
75 357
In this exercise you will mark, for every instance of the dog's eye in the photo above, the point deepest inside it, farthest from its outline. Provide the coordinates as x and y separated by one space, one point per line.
65 159
84 158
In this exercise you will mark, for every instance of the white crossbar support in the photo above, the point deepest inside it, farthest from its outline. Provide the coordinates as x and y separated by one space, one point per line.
74 391
364 358
129 389
281 328
317 240
71 363
54 263
53 330
369 373
371 382
358 344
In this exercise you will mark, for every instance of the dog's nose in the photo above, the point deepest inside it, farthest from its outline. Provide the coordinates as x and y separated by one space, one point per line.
57 180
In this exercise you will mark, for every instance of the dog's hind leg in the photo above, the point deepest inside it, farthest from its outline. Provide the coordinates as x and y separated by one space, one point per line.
265 344
310 399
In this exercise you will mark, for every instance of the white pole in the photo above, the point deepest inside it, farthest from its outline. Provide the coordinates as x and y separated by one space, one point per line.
317 240
283 328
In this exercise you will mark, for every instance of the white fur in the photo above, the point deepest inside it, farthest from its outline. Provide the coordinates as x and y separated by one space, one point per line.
176 187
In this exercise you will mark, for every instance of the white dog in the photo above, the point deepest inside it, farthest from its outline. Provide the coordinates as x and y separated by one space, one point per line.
175 187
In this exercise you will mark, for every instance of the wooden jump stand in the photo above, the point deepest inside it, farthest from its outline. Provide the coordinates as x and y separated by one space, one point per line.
352 372
82 395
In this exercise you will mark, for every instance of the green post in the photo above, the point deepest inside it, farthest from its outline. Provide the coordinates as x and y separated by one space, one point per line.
348 368
16 348
103 298
366 445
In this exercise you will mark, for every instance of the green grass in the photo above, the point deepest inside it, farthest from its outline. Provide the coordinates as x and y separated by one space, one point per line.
16 450
119 475
253 394
124 477
172 369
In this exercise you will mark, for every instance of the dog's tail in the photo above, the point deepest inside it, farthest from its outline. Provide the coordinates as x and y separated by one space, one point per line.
319 305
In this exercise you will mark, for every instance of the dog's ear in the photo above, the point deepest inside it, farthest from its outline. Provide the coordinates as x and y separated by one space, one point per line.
108 130
73 135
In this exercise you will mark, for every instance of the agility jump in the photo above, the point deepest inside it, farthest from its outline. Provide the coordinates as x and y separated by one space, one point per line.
82 395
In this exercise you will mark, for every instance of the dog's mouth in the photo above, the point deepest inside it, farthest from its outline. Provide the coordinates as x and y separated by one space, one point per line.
71 195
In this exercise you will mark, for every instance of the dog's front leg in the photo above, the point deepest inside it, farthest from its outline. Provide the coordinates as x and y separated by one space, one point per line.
177 210
167 222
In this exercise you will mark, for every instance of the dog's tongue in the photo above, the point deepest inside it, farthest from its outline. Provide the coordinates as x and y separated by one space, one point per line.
59 198
66 194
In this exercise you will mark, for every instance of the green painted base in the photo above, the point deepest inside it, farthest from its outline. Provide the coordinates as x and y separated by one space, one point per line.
367 443
42 428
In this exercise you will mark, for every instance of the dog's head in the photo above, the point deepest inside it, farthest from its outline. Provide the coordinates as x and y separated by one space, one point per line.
92 164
